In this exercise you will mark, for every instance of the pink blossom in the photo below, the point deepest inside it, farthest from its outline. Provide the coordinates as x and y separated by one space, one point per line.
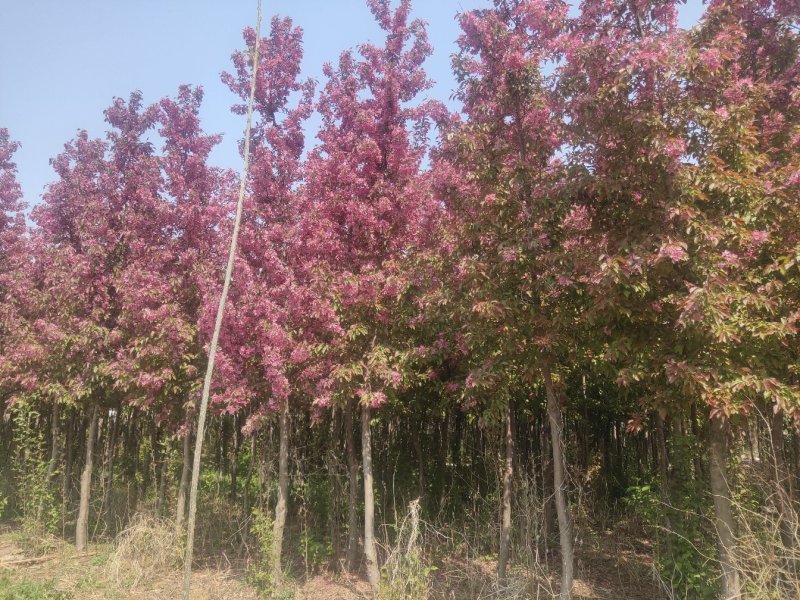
673 252
730 258
578 219
508 255
378 399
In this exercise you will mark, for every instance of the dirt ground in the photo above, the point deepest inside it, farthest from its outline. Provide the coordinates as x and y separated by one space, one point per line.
31 570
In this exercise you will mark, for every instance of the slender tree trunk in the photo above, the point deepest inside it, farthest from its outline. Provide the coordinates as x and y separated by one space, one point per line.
82 524
331 452
52 465
54 439
548 477
151 462
731 586
752 440
183 488
699 471
560 487
220 445
663 476
237 444
508 477
417 443
370 551
249 478
66 484
109 462
161 497
212 351
352 478
661 446
283 492
131 456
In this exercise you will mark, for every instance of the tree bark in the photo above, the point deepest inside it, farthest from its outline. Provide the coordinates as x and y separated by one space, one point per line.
508 477
548 496
331 452
237 443
66 484
560 488
82 524
663 476
417 443
108 465
352 478
161 497
249 478
283 492
699 470
731 586
183 488
52 465
370 551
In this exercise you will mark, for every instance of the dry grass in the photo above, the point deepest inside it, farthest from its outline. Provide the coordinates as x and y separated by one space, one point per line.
147 549
144 564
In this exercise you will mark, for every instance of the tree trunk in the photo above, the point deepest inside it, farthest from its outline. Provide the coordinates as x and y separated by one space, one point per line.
352 478
237 443
82 524
131 456
331 452
108 469
416 440
548 477
151 462
370 551
66 484
699 471
183 489
161 497
248 480
283 492
663 476
508 476
731 586
560 487
52 465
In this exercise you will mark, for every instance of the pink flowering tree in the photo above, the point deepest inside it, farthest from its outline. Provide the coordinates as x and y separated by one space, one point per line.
516 236
167 288
681 137
365 206
94 222
264 346
12 246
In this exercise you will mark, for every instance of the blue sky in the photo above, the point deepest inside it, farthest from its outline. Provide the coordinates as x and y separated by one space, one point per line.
63 61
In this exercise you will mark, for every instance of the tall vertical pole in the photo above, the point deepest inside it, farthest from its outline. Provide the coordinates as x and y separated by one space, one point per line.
212 353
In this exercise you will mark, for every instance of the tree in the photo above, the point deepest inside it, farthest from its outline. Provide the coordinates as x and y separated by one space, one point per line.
93 223
264 337
365 205
12 244
676 139
513 254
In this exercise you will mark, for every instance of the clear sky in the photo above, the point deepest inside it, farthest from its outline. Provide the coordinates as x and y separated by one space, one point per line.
63 61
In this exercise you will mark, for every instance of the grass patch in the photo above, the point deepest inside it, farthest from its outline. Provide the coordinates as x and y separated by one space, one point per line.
29 590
